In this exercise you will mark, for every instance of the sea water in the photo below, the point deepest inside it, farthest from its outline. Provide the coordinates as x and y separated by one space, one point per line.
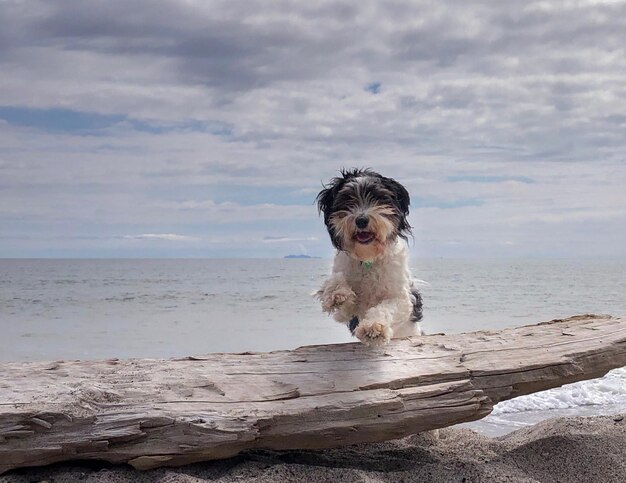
91 309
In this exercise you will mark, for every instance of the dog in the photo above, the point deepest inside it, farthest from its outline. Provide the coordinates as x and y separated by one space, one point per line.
370 288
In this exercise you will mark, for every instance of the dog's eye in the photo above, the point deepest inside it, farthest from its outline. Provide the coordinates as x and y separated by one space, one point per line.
340 214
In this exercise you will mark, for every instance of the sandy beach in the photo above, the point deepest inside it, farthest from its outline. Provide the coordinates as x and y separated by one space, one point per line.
581 449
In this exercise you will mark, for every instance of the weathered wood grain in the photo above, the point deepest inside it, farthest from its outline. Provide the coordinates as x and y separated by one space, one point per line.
153 412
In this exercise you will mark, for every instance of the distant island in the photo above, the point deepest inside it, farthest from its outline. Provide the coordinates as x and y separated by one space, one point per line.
299 256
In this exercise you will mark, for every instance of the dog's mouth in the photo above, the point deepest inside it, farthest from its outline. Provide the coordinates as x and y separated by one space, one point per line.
364 237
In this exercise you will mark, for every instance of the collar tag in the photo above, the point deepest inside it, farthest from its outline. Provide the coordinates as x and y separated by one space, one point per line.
367 265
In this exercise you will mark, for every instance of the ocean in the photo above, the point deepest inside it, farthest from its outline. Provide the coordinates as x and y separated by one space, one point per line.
92 309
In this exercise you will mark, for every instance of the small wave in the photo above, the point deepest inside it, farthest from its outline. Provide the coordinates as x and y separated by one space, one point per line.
610 389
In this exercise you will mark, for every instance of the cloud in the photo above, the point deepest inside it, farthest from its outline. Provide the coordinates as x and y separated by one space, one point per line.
161 236
221 120
489 179
284 239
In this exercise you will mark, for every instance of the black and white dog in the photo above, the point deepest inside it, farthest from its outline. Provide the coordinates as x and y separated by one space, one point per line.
370 288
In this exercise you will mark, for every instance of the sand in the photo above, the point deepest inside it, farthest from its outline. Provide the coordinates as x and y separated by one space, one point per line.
582 449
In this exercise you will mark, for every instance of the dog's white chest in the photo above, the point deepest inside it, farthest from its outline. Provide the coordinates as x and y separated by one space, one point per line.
369 284
386 278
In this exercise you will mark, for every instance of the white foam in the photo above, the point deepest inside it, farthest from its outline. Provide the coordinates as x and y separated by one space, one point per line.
607 390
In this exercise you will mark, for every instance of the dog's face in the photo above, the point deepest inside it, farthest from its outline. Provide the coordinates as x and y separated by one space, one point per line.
364 212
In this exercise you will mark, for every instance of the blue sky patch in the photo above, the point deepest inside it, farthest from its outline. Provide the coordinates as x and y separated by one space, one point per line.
58 120
84 122
216 128
373 87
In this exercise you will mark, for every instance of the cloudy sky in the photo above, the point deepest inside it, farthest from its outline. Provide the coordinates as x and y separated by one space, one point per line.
205 128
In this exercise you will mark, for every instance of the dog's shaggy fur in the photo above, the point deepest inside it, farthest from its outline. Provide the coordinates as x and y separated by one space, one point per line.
370 288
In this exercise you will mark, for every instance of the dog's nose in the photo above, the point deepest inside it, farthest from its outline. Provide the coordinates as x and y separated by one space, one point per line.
361 221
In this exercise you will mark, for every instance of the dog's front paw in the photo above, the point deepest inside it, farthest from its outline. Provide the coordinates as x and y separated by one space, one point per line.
331 301
375 334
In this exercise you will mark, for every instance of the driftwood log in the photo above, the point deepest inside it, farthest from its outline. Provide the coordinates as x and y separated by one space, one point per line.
150 412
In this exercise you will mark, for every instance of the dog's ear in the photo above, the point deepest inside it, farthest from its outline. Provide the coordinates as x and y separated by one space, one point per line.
400 193
325 201
403 200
